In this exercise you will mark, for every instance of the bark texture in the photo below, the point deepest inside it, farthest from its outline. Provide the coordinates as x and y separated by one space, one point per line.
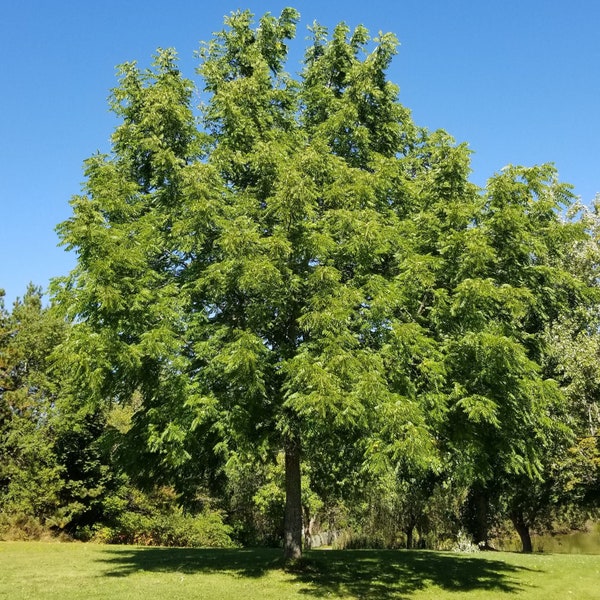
292 526
522 528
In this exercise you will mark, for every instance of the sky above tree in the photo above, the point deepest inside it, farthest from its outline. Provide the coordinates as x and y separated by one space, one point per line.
517 80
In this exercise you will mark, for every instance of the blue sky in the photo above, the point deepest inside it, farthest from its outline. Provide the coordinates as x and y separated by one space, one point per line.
519 80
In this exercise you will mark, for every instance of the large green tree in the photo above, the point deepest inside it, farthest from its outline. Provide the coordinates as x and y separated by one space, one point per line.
508 418
256 277
299 269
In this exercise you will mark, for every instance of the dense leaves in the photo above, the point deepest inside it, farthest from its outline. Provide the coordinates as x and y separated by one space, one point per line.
300 282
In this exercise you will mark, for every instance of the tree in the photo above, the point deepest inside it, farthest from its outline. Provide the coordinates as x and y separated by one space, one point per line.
302 271
259 277
573 350
508 415
53 471
30 474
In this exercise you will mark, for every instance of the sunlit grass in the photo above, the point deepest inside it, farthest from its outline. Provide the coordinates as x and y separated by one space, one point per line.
30 570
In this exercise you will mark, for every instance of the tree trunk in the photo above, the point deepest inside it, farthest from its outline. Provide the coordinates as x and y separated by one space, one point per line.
479 518
409 536
307 528
523 530
292 524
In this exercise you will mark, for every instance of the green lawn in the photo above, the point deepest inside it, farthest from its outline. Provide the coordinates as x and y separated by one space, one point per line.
35 570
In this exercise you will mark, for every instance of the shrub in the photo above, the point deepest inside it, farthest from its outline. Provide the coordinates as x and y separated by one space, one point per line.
464 543
168 529
20 526
350 540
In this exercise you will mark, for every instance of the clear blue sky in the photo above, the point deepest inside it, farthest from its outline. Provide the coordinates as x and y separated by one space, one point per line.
519 80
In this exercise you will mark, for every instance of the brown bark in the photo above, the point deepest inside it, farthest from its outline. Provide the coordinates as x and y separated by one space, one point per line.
479 518
409 536
523 530
292 525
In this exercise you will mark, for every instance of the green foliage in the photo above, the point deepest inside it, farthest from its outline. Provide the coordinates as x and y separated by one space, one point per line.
301 271
31 477
205 530
55 475
256 497
20 526
158 520
250 277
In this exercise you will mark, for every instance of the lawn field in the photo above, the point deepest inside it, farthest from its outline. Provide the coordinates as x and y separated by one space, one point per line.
36 570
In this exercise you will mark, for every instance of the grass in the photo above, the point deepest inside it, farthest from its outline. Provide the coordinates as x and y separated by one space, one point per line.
35 570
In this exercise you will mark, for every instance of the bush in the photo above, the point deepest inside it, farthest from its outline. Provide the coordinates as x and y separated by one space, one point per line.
349 540
204 530
464 543
156 518
20 526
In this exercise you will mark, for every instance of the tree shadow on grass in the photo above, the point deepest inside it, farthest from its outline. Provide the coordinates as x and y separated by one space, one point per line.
396 574
249 562
366 574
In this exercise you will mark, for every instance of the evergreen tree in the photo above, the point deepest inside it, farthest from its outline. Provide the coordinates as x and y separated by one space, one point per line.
30 474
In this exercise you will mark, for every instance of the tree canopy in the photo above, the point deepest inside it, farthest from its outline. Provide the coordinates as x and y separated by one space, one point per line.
299 268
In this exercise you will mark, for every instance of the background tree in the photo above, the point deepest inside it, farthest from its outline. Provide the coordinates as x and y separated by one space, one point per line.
507 415
573 352
31 477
